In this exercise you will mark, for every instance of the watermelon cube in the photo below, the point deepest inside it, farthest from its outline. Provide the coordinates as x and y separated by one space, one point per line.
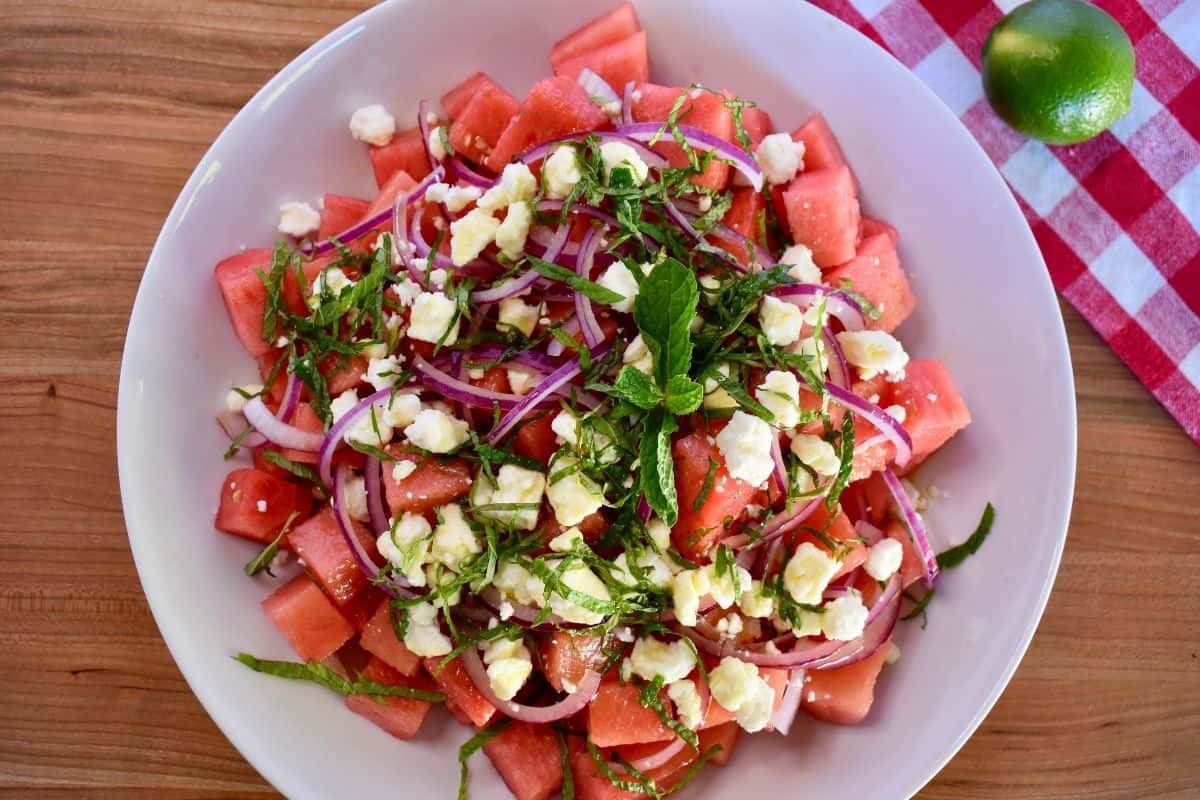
245 296
455 100
696 531
934 408
706 111
876 274
399 716
327 557
307 619
405 152
756 123
615 717
255 504
555 107
397 182
462 698
378 638
844 695
528 759
872 226
339 212
590 782
618 24
821 148
477 129
617 63
821 208
433 483
567 656
742 218
726 736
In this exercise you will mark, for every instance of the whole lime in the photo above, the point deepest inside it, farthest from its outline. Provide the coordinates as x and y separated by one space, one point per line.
1058 70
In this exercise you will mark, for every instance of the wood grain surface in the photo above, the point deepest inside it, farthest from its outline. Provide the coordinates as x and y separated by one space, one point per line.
105 107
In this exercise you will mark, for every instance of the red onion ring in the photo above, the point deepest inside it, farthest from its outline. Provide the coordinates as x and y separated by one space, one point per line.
399 216
883 421
780 470
540 151
333 436
570 326
699 139
393 586
543 236
527 358
560 377
837 303
373 482
789 703
592 333
291 398
514 286
581 209
627 104
467 175
278 432
423 249
248 439
599 89
537 715
835 361
659 757
423 127
916 528
463 392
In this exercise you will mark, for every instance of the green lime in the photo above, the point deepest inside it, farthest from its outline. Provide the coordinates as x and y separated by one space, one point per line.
1058 70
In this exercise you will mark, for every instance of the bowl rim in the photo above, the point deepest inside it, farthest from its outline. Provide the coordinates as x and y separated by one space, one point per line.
173 635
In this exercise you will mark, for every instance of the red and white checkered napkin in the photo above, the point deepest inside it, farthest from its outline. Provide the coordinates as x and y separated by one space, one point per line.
1117 217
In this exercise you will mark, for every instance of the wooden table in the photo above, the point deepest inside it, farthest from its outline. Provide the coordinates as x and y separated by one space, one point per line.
105 107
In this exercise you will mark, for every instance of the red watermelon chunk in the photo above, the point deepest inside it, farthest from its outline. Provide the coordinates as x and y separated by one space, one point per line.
742 218
934 409
327 557
822 212
707 111
696 532
399 716
245 296
455 100
726 736
535 439
876 274
821 148
339 212
405 152
527 758
433 483
615 717
307 619
358 609
378 638
555 107
617 63
756 123
618 24
567 656
477 129
872 226
462 698
590 782
844 695
397 182
241 514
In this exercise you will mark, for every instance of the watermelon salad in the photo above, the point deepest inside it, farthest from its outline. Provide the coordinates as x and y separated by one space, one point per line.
589 426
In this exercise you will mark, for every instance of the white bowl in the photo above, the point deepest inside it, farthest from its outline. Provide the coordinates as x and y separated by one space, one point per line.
986 307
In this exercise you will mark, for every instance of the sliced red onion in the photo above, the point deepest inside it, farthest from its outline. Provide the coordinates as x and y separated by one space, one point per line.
291 398
537 715
250 439
883 421
599 90
699 139
278 432
746 558
916 528
402 246
592 333
659 757
373 482
644 511
423 249
870 534
394 586
543 236
762 259
468 175
780 472
837 303
560 377
521 612
627 104
789 520
555 348
514 286
540 151
423 127
333 437
580 208
463 392
835 361
881 621
789 704
527 358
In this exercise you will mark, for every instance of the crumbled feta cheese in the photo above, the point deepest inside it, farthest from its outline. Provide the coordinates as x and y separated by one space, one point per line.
873 352
521 380
509 665
722 587
437 277
686 590
573 496
656 569
454 198
518 583
382 372
437 148
704 204
780 157
561 171
730 626
330 282
813 350
781 321
373 125
619 154
637 355
897 412
403 469
844 618
745 444
453 540
652 657
369 427
619 279
808 572
883 559
816 453
660 533
400 410
515 486
512 233
434 319
424 636
580 578
565 541
518 315
436 431
687 703
261 505
565 427
739 689
780 394
804 269
754 602
406 291
372 350
298 219
715 397
470 234
235 401
476 374
405 545
626 672
356 497
516 185
893 654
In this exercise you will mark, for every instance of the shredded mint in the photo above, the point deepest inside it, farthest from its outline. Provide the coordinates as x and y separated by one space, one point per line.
315 672
951 558
469 748
262 561
590 289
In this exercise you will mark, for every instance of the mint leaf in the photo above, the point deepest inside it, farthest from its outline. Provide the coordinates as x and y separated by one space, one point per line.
684 395
635 387
951 558
590 289
316 672
657 469
663 310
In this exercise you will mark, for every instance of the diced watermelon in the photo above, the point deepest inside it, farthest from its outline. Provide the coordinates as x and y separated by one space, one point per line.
590 782
821 148
934 409
266 366
697 531
455 100
706 111
399 716
307 619
615 717
339 212
378 638
756 123
872 226
528 759
358 609
245 296
462 697
912 567
535 439
327 557
567 656
399 181
742 217
876 274
844 696
404 153
617 63
433 483
555 107
241 514
726 736
477 129
618 24
822 212
342 374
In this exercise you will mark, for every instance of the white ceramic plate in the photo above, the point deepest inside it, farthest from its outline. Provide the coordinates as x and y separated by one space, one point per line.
986 307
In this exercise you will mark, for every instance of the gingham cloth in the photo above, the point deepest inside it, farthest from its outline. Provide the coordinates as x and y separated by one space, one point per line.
1116 217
